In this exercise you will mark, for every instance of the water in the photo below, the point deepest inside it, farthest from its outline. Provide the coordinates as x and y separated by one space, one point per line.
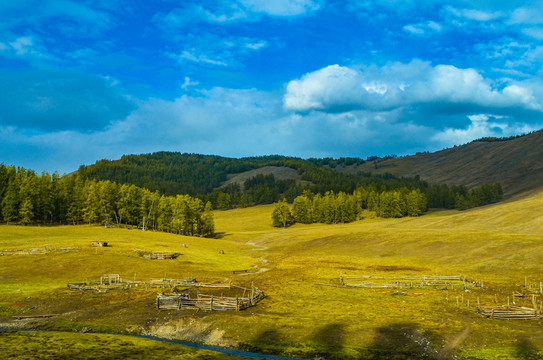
218 349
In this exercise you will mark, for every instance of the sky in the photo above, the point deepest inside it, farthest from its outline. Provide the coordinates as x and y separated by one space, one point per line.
84 80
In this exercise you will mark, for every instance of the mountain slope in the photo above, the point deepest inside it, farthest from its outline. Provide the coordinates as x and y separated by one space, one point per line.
517 164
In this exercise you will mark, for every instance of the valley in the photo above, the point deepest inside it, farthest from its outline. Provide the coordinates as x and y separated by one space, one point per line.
305 312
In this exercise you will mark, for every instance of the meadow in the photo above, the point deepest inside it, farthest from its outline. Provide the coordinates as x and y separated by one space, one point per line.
305 312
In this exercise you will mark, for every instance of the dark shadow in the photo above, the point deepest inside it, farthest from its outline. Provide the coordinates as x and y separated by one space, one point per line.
403 341
268 336
329 339
268 342
219 235
526 350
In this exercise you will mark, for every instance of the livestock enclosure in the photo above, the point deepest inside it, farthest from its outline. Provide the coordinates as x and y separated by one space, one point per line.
405 282
214 299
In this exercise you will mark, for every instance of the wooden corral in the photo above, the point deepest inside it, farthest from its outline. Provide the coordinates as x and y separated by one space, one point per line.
244 299
161 255
509 312
114 282
405 282
99 243
171 283
157 255
42 250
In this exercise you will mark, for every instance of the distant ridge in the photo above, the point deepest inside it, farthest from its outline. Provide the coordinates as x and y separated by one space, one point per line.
515 162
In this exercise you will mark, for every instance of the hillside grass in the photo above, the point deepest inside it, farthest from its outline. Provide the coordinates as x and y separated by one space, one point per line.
500 244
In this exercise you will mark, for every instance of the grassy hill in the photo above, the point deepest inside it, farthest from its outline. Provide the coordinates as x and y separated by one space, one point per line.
515 163
304 312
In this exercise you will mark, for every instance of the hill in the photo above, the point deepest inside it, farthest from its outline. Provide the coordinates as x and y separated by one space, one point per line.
266 178
515 163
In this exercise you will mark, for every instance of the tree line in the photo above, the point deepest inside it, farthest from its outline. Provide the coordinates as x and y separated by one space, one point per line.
395 203
332 208
28 198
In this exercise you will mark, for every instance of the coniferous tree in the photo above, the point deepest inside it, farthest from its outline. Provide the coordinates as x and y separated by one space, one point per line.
207 224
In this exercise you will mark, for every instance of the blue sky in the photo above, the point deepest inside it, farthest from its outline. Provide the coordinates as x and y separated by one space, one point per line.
86 80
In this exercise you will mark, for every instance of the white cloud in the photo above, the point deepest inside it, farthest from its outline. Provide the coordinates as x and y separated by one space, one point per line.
222 12
281 7
414 29
479 15
198 58
528 15
482 125
535 32
188 83
424 27
25 47
337 88
258 45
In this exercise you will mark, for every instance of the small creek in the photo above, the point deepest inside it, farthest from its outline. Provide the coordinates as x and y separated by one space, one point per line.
217 349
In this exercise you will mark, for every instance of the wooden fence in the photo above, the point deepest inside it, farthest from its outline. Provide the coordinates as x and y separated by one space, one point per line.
157 255
406 282
115 282
42 250
208 302
509 312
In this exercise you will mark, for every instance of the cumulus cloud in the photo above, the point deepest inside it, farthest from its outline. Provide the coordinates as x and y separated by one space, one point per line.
56 100
482 125
417 84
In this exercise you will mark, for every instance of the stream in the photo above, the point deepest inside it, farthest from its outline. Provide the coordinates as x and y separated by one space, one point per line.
217 349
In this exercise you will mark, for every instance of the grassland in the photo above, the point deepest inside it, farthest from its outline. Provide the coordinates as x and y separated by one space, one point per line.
500 244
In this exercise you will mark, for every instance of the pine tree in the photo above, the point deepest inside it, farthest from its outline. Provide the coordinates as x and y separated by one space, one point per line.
207 224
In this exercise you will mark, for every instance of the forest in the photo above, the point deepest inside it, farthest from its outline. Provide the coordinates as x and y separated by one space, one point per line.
103 193
28 198
340 208
202 175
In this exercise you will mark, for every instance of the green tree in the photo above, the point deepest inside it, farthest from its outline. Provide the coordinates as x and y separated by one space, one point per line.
416 203
223 201
207 224
302 209
26 212
281 215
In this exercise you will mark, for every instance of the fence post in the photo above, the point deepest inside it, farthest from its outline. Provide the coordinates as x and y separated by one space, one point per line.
211 303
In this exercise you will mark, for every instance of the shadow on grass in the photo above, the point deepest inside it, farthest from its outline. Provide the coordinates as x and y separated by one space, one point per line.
220 235
526 350
330 340
404 341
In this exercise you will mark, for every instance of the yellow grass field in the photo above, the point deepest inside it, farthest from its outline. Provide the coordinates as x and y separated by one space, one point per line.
305 313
